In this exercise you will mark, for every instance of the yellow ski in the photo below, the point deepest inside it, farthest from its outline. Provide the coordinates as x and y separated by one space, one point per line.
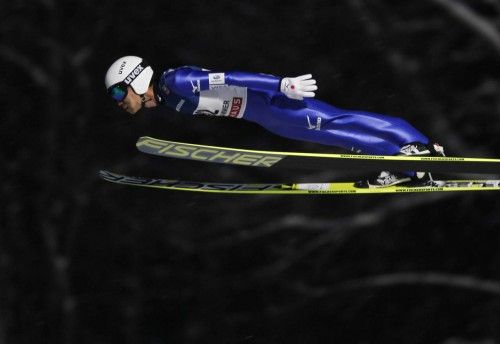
298 188
319 161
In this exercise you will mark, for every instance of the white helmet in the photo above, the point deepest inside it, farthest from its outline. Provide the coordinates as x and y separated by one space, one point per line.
129 71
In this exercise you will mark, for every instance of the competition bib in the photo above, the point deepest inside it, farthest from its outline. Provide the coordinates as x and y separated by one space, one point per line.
227 101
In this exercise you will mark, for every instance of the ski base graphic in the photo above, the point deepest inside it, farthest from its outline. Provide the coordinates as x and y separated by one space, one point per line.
298 188
316 161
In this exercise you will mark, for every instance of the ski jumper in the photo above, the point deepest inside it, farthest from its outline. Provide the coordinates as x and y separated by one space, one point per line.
257 98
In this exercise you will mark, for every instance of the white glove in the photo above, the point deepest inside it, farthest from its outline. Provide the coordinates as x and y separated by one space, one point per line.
299 87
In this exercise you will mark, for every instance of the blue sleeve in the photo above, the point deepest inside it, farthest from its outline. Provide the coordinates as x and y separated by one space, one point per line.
186 81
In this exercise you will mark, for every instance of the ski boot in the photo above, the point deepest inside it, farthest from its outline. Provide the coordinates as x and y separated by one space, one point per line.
386 178
417 148
383 179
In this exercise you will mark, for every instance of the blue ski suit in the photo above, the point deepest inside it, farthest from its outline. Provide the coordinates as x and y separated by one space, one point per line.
257 98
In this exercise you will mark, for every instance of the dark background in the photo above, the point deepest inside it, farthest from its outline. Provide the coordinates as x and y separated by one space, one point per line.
85 261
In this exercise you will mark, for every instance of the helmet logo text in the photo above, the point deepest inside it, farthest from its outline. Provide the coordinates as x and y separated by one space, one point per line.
122 66
133 74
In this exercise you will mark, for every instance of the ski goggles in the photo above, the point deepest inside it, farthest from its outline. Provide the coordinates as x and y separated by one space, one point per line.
119 91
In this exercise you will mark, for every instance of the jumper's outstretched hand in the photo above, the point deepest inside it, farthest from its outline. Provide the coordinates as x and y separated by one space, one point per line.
299 87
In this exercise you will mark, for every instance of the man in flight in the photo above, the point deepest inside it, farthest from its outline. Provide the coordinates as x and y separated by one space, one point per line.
284 106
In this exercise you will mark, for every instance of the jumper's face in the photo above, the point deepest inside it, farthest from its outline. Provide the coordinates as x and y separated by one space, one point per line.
132 102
